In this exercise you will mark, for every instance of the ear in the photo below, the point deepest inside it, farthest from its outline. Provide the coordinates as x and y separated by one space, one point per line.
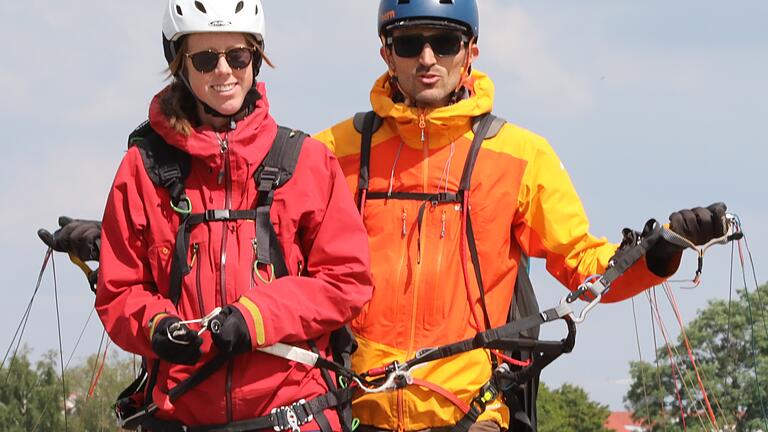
474 53
385 55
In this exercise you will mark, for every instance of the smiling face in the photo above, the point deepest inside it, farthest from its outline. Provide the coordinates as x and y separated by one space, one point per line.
224 88
427 80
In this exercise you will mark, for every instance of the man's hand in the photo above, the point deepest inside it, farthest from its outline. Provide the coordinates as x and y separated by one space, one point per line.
698 225
81 238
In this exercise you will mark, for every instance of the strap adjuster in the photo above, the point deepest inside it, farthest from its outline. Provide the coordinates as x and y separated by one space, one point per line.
216 215
291 417
269 178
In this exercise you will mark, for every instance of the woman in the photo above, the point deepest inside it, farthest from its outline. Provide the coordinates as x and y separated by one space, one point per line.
161 272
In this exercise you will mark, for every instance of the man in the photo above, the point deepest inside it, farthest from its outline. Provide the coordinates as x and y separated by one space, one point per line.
519 202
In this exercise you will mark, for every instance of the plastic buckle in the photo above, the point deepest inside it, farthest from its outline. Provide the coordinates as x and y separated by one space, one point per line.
287 417
269 176
216 215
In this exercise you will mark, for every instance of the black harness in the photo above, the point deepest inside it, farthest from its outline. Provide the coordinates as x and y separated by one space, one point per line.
518 385
168 167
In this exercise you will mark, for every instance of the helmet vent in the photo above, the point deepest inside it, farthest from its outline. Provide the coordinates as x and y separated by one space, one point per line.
200 7
446 1
257 9
178 10
239 7
403 1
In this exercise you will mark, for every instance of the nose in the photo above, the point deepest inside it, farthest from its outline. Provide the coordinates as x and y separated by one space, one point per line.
222 66
427 56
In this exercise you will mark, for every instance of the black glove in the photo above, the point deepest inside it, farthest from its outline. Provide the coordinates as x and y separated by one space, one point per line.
229 331
176 343
699 225
79 237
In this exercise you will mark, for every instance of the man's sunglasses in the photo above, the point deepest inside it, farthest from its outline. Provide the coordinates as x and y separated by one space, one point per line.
206 61
442 44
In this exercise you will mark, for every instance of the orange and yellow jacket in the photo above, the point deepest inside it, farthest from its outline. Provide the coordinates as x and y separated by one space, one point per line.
521 201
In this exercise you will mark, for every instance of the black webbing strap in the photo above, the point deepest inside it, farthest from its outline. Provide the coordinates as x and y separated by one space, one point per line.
276 169
165 165
483 127
503 379
365 156
282 418
490 338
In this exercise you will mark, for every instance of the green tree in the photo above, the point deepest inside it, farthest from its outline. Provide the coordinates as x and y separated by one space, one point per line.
730 344
93 412
570 409
31 399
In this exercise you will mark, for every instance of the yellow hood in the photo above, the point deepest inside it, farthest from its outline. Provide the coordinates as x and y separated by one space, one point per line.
443 125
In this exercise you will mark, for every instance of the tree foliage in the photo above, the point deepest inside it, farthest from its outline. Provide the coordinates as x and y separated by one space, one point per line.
32 398
570 409
730 345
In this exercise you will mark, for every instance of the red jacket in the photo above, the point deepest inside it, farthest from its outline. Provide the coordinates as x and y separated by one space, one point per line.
318 228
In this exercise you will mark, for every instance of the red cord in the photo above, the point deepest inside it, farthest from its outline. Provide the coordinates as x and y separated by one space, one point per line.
710 412
95 382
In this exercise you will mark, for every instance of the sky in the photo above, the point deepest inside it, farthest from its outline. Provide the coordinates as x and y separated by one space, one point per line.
652 106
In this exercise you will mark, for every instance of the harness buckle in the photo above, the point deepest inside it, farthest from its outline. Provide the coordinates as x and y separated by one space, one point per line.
290 417
216 215
269 178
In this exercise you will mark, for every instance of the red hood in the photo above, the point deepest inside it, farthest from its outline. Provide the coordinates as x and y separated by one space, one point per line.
250 140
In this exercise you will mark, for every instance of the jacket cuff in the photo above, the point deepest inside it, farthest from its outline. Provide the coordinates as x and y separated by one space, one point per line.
152 324
253 318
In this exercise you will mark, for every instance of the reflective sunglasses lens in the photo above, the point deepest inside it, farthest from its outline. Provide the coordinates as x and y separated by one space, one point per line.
239 58
408 45
445 44
205 61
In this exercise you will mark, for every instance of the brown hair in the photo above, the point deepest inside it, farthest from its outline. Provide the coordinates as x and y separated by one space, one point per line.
178 104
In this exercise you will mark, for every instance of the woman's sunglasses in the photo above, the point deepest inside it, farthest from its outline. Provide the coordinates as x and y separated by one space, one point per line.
442 44
206 61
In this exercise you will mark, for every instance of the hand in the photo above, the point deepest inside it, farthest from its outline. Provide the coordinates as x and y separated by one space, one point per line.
230 331
698 225
175 342
81 238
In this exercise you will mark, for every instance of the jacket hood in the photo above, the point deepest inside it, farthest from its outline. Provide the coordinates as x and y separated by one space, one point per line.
250 139
444 124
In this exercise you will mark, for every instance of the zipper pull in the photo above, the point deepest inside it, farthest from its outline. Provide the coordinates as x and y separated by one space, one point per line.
223 147
405 228
422 125
442 229
195 248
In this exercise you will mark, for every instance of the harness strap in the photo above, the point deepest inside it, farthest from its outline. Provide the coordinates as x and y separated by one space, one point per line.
276 170
283 418
491 338
367 131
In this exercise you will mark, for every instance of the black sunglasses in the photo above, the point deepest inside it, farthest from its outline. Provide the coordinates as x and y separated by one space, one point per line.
206 61
442 44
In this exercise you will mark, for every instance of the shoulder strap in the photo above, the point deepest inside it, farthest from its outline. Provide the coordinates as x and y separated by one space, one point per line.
166 165
274 172
484 124
366 124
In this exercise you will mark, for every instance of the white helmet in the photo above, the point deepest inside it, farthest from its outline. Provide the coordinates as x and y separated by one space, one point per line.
203 16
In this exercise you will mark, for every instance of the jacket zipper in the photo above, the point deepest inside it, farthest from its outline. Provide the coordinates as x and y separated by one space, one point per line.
225 175
198 285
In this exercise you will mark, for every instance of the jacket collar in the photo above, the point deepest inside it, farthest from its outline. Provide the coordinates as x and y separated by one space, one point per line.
251 138
443 125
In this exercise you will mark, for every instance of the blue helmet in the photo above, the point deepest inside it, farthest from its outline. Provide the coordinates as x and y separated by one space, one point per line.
459 14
